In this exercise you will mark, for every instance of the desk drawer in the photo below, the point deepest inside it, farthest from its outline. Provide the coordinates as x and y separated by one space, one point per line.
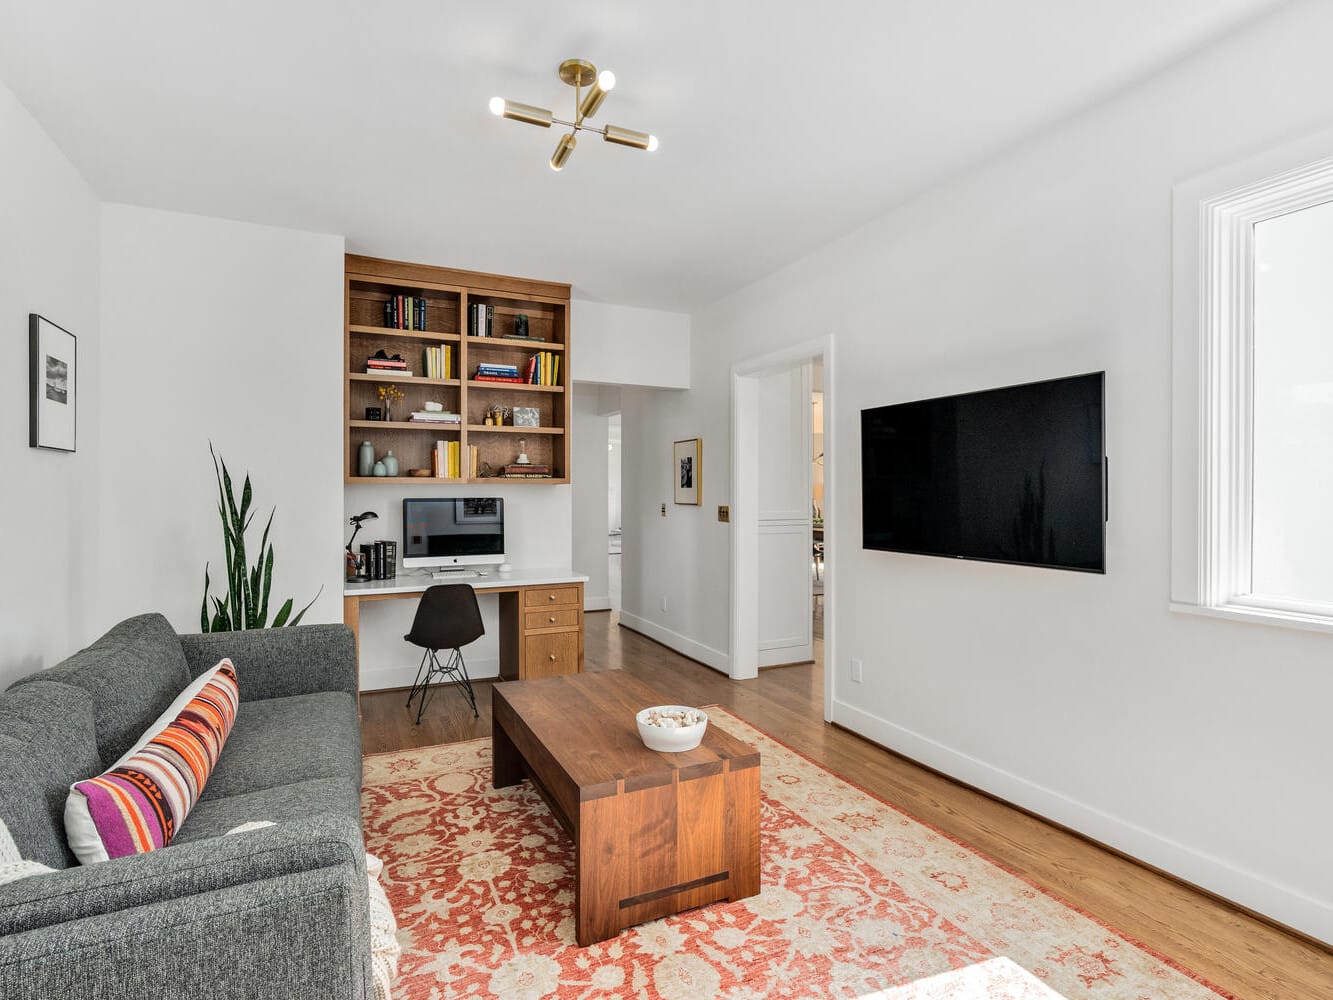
552 653
550 597
554 618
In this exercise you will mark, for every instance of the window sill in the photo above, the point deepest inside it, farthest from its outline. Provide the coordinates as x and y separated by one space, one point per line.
1258 616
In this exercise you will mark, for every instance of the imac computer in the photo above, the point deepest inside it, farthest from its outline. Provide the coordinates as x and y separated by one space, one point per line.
441 534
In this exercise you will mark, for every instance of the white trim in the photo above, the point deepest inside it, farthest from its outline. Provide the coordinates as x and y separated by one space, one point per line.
1212 373
1313 916
1258 616
682 644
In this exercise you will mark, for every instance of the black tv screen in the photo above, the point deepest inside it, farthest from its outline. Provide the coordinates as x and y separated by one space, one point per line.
1014 475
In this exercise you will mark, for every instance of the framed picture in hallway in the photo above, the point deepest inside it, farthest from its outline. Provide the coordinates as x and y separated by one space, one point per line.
689 471
52 385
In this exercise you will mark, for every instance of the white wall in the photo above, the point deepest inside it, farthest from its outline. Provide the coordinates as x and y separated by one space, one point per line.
231 333
537 535
623 345
48 265
1194 744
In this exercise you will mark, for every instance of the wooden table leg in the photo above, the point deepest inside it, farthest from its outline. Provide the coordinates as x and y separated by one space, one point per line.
506 761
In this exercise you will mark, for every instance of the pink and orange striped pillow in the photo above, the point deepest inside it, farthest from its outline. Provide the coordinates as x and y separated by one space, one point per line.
140 803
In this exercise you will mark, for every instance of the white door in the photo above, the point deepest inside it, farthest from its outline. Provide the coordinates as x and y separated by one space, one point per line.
784 516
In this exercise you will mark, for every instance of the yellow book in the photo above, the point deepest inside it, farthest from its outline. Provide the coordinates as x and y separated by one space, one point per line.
555 369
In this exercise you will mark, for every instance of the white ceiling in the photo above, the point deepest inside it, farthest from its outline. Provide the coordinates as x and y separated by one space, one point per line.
783 124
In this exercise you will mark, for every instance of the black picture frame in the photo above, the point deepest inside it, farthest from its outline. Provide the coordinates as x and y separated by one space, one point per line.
53 387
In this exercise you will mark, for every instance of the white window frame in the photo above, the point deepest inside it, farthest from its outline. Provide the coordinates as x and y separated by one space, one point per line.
1212 403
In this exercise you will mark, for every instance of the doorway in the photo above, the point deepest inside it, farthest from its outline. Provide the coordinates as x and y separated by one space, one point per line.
614 519
774 556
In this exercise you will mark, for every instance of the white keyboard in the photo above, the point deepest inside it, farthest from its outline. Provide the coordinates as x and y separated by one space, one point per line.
456 574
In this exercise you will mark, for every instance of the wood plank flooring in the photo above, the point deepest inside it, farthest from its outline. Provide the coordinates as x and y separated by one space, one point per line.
1230 949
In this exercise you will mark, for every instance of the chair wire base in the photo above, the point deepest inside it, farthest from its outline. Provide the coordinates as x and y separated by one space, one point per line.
431 671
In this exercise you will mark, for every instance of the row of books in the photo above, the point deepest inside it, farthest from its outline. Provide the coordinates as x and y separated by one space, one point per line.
446 461
437 362
405 312
379 560
480 320
544 369
496 373
530 471
434 417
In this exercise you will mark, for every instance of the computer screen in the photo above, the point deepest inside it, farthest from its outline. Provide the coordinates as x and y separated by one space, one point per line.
453 532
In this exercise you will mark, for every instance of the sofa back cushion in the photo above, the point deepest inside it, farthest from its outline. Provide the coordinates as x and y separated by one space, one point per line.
133 673
47 742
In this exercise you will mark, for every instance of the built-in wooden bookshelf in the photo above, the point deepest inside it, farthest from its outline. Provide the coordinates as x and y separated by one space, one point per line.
369 283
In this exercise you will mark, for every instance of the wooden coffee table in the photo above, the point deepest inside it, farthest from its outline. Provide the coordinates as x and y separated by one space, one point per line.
654 833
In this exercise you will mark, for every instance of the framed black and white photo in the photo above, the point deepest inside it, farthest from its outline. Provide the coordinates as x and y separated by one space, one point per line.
52 385
689 470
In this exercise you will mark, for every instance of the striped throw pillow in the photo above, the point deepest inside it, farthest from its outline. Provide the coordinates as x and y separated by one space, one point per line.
141 802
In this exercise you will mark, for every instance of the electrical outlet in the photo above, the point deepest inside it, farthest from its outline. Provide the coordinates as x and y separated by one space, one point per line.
664 602
856 671
664 510
723 513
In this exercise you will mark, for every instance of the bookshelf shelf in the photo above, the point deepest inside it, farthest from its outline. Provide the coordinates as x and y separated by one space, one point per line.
376 291
415 379
515 343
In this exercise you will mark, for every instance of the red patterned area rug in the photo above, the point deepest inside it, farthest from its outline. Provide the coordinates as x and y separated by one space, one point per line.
859 900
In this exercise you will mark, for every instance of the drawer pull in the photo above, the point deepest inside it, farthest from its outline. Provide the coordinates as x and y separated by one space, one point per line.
551 597
551 619
552 657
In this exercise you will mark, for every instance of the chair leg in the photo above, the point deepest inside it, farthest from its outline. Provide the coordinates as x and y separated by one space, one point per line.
465 683
454 668
422 681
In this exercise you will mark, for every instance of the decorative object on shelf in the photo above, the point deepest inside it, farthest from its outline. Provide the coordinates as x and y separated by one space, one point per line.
390 464
52 386
495 414
355 569
365 459
578 73
418 473
521 325
688 471
522 453
527 416
379 469
380 363
374 413
246 603
389 394
430 406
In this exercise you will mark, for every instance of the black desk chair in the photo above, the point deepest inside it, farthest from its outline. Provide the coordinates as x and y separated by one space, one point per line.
447 618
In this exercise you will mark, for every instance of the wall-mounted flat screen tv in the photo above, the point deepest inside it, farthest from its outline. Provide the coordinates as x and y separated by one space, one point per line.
1015 475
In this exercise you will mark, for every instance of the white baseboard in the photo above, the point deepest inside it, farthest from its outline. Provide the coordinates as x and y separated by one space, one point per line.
682 644
401 676
596 603
1280 902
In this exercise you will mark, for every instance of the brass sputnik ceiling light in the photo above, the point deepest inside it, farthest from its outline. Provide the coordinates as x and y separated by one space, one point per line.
578 73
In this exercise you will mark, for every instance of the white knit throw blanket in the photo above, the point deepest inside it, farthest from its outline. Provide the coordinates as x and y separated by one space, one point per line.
12 866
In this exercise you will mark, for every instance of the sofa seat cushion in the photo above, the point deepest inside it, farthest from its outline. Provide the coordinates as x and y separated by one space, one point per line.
285 740
133 673
47 742
338 796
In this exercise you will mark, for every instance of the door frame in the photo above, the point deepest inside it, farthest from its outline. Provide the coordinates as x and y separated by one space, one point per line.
745 375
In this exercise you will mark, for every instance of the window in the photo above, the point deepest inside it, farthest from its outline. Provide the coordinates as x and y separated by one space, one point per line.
1252 390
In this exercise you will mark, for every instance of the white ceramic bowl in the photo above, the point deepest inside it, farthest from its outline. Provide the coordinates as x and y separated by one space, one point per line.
671 740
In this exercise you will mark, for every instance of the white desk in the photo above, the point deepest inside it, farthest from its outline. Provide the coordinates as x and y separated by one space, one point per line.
541 615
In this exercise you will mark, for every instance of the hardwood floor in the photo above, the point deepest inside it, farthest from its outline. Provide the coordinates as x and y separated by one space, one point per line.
1230 949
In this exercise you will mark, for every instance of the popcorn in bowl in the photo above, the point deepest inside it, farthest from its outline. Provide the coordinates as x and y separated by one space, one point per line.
672 728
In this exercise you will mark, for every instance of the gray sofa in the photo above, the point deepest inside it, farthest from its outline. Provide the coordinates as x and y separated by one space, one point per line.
275 913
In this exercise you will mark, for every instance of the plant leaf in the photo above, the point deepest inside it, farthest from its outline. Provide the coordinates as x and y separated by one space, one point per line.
281 618
301 614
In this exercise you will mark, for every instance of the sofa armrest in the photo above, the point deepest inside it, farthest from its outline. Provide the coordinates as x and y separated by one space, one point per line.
182 871
288 937
279 662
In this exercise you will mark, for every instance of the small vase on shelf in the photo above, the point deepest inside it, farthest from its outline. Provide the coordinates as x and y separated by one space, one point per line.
379 470
390 464
365 459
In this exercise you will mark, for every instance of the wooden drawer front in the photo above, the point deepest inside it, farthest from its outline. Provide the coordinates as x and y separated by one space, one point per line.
550 597
553 653
555 618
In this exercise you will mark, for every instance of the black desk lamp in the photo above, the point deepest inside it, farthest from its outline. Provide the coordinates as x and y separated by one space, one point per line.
354 571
